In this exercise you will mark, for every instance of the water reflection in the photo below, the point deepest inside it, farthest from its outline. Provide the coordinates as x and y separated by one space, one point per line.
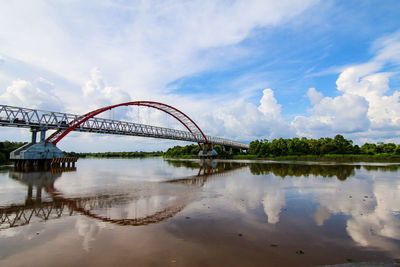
140 204
340 171
369 200
206 169
329 211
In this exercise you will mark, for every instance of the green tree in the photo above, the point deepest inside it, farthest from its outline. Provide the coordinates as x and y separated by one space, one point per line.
343 146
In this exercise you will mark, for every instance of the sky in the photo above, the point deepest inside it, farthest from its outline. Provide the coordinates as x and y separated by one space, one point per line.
242 70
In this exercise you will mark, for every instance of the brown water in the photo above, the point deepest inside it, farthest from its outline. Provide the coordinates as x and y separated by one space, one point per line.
155 212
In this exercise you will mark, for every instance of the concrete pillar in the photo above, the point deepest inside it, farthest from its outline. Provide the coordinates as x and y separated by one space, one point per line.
34 135
27 164
42 135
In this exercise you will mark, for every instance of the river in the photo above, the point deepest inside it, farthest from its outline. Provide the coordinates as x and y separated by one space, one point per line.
157 212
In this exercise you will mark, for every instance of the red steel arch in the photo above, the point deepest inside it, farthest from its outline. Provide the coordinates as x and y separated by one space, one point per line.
174 112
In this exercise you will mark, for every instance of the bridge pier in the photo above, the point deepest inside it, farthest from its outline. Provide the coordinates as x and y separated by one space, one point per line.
42 155
34 135
204 153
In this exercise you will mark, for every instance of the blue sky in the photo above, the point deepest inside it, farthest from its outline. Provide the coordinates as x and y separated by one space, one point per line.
242 69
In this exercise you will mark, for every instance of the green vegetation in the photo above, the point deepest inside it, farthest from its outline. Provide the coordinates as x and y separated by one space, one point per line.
192 151
329 148
182 151
5 149
341 171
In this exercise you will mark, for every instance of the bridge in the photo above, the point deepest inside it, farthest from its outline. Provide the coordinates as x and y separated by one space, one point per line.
40 121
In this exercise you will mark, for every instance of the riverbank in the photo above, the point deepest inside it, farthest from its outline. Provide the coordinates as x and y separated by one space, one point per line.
328 157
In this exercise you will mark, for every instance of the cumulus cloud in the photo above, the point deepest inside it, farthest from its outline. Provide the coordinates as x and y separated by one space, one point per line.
364 105
245 121
269 106
314 96
97 94
341 114
38 94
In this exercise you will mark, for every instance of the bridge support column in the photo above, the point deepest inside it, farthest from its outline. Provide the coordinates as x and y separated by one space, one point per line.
42 135
27 164
34 135
205 153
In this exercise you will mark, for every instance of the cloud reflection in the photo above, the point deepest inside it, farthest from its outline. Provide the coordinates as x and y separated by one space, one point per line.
367 195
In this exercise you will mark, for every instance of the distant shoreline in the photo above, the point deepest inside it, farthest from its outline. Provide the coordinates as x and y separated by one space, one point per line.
328 157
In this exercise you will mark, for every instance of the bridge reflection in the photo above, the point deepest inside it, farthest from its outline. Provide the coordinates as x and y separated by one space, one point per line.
157 202
206 170
154 201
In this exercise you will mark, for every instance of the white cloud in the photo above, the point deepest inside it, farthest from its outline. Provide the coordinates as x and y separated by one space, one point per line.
384 111
388 48
245 121
314 96
96 95
341 114
269 106
141 45
364 105
39 94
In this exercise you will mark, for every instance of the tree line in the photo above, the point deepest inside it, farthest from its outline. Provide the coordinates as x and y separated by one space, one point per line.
136 154
323 146
193 150
295 147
